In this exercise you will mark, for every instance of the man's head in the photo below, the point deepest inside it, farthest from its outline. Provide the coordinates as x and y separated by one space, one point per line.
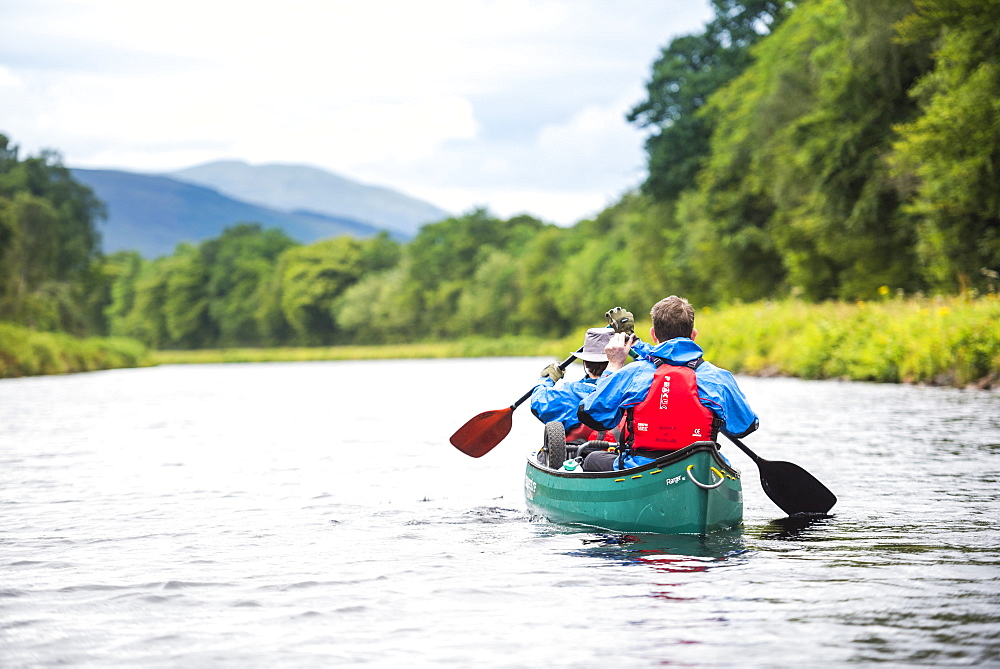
672 317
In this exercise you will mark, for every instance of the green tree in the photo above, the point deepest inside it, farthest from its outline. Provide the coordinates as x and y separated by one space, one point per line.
139 295
311 279
689 70
445 256
797 190
123 269
377 310
947 159
488 303
185 304
162 303
239 265
48 241
540 267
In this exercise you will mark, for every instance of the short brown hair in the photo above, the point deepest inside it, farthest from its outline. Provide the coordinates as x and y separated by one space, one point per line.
672 317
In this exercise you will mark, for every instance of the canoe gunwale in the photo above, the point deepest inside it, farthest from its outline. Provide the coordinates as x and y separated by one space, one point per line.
666 460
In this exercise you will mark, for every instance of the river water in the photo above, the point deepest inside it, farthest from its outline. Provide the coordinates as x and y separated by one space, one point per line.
314 514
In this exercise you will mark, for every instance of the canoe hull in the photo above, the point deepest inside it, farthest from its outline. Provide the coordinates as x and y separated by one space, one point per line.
659 497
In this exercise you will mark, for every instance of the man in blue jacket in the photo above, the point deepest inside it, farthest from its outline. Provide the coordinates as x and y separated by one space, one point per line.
623 390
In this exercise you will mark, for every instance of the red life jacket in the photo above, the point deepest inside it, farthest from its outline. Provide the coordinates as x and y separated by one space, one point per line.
671 417
581 433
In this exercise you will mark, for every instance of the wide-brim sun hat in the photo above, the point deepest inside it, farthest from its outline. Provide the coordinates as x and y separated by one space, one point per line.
593 345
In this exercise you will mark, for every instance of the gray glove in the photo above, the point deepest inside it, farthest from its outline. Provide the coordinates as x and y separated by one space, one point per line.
553 372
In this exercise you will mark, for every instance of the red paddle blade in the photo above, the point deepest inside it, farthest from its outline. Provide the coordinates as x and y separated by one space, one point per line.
478 437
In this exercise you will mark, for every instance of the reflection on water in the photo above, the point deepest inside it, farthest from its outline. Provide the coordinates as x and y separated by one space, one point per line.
794 528
680 553
645 548
667 554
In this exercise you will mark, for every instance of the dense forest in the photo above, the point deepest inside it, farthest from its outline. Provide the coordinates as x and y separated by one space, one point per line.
822 149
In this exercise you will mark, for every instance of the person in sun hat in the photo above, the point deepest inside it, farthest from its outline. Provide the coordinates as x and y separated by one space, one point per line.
551 402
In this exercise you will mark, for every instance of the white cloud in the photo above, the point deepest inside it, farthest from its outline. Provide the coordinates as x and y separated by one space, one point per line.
471 101
557 205
406 130
7 78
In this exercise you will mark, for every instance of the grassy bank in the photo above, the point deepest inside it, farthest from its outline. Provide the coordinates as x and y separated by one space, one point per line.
477 347
25 352
944 341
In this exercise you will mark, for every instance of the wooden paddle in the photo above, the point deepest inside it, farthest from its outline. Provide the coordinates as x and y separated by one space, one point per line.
792 488
481 433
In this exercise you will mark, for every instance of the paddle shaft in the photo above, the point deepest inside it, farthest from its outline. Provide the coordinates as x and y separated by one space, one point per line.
743 447
562 365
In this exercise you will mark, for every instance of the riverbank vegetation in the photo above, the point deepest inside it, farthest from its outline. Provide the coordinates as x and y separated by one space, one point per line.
25 352
470 347
803 158
937 341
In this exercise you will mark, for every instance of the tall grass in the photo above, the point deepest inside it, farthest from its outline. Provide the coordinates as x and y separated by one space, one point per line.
946 341
25 352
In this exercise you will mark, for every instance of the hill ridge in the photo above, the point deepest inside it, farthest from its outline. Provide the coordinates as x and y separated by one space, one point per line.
153 213
291 186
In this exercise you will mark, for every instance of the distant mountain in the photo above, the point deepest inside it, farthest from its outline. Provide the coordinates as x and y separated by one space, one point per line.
151 214
296 187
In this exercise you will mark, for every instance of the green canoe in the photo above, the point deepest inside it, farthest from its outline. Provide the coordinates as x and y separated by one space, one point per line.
690 491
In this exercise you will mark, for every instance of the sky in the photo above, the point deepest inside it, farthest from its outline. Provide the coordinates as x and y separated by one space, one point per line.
514 105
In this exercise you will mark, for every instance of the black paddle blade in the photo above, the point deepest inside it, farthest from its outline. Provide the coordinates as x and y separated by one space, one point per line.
478 437
794 489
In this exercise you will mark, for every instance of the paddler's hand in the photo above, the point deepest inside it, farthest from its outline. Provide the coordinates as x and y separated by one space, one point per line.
620 320
553 372
617 350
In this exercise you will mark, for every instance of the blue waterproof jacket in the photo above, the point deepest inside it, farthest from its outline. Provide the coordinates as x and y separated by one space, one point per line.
629 386
550 403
